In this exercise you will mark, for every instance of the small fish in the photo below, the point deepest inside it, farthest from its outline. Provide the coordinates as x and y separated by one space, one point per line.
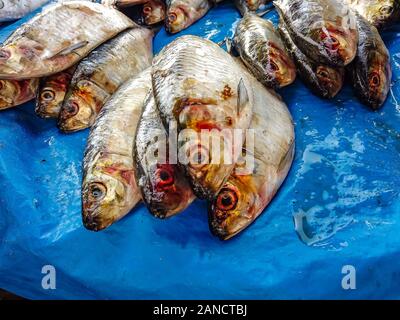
324 30
154 11
371 69
263 52
16 92
16 9
164 187
100 74
380 13
325 81
109 189
51 93
199 87
249 190
183 13
58 37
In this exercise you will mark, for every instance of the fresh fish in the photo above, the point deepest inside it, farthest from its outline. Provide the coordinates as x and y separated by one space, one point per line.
199 87
324 30
109 189
16 9
16 92
247 192
183 13
379 13
51 93
154 11
263 52
371 69
100 74
164 187
57 38
323 80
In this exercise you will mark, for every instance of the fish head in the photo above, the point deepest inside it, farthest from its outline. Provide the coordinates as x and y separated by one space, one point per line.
232 210
51 96
154 12
14 92
165 190
106 194
280 67
381 12
338 42
253 5
177 19
330 80
81 106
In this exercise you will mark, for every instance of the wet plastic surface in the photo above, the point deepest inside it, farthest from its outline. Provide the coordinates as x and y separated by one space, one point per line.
343 190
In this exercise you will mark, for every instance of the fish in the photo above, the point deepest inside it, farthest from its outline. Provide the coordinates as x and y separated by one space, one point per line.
245 6
164 188
16 9
263 52
183 13
109 188
323 80
16 92
380 13
199 89
250 188
51 93
371 71
58 37
100 74
154 11
324 30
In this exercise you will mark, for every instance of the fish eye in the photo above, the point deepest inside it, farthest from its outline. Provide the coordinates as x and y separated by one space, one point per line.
374 80
172 17
164 177
322 73
198 157
147 9
48 95
386 10
71 108
4 54
274 66
97 191
227 199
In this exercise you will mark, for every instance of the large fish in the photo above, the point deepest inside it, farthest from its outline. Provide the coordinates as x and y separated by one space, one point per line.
379 13
16 92
100 74
15 9
183 13
199 87
263 52
323 80
58 37
51 93
109 189
164 187
253 184
371 69
324 30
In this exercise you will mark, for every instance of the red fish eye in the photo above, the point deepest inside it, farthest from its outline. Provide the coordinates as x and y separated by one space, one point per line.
97 191
48 95
164 177
374 80
147 10
227 199
71 108
4 54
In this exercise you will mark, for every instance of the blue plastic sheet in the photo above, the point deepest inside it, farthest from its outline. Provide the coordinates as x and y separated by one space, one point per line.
343 190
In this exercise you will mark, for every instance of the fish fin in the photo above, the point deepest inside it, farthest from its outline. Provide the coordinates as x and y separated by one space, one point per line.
262 13
228 42
243 97
70 49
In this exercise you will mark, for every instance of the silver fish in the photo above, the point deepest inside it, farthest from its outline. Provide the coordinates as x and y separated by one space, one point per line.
100 74
199 87
109 189
248 191
58 37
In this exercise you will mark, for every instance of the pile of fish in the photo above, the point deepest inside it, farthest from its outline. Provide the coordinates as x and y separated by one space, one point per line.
180 126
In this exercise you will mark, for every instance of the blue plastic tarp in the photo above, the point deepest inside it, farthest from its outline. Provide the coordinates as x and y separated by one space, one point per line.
343 190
